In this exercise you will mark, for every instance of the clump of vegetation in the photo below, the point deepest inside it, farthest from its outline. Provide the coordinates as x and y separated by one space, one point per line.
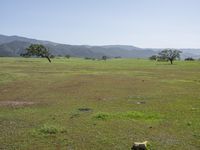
162 59
153 57
103 116
88 58
104 57
50 129
129 115
149 146
117 57
52 56
67 56
189 59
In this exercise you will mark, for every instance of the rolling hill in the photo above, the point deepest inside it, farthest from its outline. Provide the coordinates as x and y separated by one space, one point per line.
13 46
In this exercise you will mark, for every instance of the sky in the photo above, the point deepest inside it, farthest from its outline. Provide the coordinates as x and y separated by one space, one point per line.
142 23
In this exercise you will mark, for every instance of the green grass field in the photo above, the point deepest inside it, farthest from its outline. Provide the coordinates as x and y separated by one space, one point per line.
78 104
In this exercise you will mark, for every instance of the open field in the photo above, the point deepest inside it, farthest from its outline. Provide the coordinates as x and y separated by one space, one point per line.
78 104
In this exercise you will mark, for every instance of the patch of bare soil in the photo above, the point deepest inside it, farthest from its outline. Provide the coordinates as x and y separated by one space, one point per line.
16 103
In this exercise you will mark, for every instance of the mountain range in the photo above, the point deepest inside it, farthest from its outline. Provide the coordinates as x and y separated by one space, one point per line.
13 46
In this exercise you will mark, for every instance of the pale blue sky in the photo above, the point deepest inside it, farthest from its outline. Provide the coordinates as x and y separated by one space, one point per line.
143 23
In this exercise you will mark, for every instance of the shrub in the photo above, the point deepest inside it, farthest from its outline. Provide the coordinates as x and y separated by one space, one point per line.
104 57
161 59
153 57
89 58
67 56
117 57
50 129
102 116
52 56
189 59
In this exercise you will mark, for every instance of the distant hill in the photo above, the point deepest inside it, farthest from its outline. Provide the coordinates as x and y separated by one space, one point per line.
15 45
7 39
13 48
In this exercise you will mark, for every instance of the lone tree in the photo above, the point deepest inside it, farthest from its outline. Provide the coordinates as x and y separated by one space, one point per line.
170 54
37 50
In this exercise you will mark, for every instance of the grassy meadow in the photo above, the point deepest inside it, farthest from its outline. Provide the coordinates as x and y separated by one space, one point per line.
78 104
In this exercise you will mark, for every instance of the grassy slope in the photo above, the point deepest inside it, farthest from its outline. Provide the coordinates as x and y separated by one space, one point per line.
111 89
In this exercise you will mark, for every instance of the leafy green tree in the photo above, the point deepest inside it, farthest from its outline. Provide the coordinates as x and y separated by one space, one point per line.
170 54
37 50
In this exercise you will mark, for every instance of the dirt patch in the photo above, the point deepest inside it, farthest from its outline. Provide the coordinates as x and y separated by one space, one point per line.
16 103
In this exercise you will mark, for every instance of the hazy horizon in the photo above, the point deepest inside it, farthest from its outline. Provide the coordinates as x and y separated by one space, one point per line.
145 24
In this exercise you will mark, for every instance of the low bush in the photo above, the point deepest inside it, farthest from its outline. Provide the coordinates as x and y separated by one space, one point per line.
50 129
189 59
